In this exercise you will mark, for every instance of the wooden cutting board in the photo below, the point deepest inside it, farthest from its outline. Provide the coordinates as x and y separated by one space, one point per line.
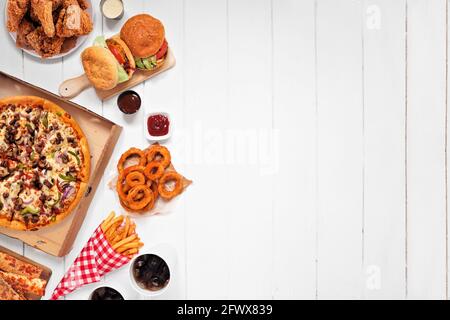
73 87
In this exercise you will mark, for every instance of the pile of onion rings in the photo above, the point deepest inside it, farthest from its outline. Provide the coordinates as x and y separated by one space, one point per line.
139 186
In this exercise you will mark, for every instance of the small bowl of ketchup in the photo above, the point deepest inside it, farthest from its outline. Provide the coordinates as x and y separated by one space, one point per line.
158 126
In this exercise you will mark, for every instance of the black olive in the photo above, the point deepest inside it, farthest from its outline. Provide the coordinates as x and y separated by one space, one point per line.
5 194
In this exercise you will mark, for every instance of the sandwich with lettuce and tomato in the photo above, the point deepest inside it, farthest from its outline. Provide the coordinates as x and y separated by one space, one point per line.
108 62
145 37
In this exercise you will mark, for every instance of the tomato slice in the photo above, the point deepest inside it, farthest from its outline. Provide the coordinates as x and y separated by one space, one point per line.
116 54
162 51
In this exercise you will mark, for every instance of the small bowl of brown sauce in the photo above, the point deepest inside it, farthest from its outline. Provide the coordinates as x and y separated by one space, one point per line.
129 102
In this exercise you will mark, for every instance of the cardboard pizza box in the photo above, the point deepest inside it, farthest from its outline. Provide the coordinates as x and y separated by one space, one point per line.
46 274
102 135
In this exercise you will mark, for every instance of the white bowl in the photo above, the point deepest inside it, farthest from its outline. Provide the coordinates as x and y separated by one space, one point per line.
160 138
165 252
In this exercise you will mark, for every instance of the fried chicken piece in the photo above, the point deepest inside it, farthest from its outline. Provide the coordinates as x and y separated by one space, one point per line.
25 27
73 21
44 45
42 9
68 3
56 4
15 12
83 4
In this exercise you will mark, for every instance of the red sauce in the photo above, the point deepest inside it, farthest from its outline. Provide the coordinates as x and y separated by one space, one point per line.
158 125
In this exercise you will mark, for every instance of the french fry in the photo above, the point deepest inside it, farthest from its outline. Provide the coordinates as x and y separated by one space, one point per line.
116 220
127 226
132 229
110 234
107 220
124 241
130 252
121 234
118 237
131 245
125 247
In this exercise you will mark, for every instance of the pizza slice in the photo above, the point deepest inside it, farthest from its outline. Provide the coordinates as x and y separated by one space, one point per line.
8 293
10 264
23 284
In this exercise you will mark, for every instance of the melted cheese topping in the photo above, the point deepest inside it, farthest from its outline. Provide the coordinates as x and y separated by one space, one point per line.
42 158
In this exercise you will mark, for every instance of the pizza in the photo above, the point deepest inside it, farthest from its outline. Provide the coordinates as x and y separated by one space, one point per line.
9 263
44 163
8 293
23 284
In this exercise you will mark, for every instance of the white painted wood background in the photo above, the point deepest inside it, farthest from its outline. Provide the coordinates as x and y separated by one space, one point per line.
336 183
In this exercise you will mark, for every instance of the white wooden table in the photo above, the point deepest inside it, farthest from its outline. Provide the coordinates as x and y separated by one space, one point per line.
316 135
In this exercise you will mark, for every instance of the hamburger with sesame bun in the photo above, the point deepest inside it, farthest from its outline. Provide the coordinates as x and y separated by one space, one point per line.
145 37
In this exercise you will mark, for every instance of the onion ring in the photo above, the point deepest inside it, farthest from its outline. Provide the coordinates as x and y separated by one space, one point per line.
121 187
135 178
154 170
126 188
158 153
167 177
134 200
149 207
154 186
129 153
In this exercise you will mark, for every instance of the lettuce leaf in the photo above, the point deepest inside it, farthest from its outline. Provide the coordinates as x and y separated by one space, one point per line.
139 63
123 76
100 42
148 63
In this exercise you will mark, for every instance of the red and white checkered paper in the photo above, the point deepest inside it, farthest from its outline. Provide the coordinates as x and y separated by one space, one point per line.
96 259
